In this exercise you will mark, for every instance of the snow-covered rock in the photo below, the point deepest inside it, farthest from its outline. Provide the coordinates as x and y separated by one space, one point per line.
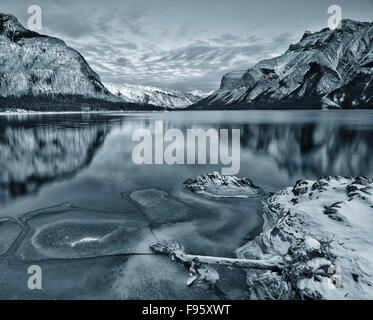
32 64
325 69
161 97
200 93
220 186
323 230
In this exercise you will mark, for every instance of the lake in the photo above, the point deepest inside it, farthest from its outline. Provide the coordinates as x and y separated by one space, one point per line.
65 196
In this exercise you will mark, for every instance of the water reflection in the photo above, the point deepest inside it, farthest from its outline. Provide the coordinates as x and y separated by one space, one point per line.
312 149
34 150
41 148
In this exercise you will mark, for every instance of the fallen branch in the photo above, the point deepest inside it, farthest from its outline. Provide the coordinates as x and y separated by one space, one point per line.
176 252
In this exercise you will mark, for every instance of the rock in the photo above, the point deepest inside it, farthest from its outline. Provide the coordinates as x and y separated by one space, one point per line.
162 97
208 274
313 237
37 65
301 187
191 280
332 211
217 185
311 244
325 69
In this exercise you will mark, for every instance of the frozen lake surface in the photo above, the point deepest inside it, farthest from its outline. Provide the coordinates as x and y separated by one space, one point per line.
73 202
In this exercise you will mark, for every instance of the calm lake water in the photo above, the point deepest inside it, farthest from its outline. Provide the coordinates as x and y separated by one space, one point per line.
66 180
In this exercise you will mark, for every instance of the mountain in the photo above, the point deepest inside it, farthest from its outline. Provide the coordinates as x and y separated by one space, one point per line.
162 97
32 64
325 69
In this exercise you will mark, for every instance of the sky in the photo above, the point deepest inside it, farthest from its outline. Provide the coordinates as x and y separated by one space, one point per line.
181 44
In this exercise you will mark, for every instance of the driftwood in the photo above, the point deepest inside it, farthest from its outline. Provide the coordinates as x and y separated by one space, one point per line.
176 252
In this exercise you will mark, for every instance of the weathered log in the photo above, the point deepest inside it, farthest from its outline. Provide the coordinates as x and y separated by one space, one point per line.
270 264
176 252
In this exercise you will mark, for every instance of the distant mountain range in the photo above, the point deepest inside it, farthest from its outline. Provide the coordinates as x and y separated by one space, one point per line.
38 67
163 97
325 69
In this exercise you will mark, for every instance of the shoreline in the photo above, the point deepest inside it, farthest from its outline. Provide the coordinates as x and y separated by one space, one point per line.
315 242
29 112
120 112
322 230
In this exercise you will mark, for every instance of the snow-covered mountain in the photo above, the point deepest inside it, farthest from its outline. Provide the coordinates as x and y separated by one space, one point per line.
32 64
326 69
162 97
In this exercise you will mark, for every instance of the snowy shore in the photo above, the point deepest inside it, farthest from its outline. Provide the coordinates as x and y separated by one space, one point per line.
324 232
319 231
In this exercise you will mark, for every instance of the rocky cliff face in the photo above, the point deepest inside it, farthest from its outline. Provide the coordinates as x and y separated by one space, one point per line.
161 97
32 64
325 69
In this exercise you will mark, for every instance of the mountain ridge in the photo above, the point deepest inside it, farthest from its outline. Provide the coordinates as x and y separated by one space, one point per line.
325 69
157 96
35 64
317 72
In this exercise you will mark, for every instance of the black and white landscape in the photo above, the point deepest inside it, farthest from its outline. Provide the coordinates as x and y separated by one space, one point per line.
294 223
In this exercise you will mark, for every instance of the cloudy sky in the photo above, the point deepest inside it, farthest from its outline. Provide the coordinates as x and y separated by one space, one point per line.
184 44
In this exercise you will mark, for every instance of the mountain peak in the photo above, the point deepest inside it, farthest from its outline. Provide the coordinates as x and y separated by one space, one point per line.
355 23
12 30
316 72
5 17
161 97
10 27
32 64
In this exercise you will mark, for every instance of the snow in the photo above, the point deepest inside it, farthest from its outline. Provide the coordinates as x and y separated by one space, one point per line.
163 97
333 209
42 65
312 244
309 72
200 93
220 186
85 240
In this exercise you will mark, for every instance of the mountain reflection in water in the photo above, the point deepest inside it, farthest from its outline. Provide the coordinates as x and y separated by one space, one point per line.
35 149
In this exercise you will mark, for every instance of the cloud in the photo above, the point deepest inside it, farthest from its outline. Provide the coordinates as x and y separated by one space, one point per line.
226 38
200 64
164 43
123 62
